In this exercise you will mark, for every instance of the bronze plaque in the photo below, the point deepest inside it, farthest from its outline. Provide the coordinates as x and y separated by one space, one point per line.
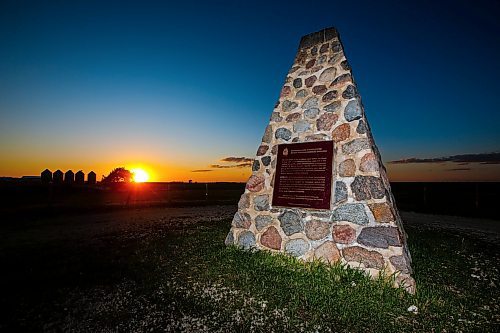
304 175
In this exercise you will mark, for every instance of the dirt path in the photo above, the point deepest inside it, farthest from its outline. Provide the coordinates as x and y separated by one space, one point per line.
133 223
128 224
484 229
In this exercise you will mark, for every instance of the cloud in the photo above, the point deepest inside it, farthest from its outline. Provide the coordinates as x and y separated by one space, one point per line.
233 159
459 169
486 158
232 162
239 165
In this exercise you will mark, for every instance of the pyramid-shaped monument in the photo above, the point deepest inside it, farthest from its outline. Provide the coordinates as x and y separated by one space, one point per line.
318 188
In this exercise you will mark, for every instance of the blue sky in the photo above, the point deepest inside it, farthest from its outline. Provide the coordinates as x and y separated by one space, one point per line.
186 84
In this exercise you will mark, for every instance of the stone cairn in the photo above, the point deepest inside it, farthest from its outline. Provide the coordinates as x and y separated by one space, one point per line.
320 102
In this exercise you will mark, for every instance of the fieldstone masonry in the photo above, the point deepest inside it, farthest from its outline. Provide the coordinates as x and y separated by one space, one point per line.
319 101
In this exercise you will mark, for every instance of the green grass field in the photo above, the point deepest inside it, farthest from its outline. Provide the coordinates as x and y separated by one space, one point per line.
176 275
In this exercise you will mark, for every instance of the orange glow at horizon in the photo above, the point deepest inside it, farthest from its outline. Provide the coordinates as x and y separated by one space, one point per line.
183 169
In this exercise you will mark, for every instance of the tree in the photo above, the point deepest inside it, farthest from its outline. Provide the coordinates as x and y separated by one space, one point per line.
118 175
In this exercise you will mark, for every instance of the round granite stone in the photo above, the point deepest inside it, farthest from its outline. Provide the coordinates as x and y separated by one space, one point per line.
310 63
276 117
246 240
316 229
327 252
288 106
381 237
316 69
336 47
356 145
311 102
311 113
293 117
301 126
361 129
296 247
310 81
285 91
283 133
345 65
244 201
350 92
317 137
370 259
319 90
268 134
229 238
343 234
340 191
262 150
301 93
332 107
255 183
241 220
261 202
326 121
382 212
328 75
291 222
266 160
271 238
256 165
324 48
352 110
368 163
262 221
341 133
329 96
401 264
367 187
347 168
351 212
297 83
341 80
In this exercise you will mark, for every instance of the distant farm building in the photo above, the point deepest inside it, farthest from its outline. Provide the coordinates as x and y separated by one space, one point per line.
91 178
57 177
69 177
80 177
46 176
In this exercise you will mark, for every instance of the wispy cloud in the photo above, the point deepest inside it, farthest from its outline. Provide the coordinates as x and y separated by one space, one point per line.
233 159
239 165
485 158
231 163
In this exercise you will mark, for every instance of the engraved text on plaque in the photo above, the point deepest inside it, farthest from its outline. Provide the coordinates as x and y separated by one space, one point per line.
304 175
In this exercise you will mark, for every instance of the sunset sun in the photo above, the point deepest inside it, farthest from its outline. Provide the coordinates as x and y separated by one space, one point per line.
139 175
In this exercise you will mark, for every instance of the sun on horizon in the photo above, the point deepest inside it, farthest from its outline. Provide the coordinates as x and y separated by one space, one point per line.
139 175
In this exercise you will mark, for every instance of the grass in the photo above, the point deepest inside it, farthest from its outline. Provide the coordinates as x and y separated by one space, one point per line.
185 279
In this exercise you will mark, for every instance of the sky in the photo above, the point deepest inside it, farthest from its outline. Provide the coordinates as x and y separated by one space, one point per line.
182 88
